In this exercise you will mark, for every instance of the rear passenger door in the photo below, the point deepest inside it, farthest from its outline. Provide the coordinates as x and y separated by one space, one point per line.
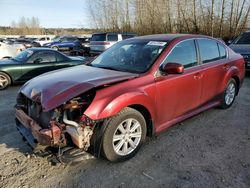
213 56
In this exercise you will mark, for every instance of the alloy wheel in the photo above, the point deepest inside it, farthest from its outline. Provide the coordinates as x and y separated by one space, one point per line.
230 93
3 82
127 136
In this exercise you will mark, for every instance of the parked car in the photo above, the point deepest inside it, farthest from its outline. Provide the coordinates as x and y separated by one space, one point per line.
43 40
10 50
33 62
27 43
137 88
101 41
66 43
241 45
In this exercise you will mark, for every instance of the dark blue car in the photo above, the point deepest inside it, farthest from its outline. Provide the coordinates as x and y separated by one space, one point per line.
241 45
66 43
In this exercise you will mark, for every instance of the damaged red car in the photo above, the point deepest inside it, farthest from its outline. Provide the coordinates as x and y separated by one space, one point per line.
137 88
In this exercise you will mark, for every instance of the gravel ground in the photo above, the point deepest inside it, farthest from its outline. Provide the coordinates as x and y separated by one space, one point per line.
208 150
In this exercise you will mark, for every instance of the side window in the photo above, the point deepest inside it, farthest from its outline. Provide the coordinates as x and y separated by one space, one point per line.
208 50
184 53
43 57
60 57
223 51
126 36
112 37
64 40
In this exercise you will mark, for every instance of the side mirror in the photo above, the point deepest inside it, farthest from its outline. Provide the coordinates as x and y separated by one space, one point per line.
38 60
172 68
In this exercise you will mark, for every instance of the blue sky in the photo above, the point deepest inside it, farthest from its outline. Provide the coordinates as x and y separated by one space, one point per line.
51 13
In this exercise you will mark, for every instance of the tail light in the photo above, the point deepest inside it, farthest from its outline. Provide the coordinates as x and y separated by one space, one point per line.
102 43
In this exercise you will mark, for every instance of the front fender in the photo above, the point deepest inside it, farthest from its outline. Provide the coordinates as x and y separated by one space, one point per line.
107 107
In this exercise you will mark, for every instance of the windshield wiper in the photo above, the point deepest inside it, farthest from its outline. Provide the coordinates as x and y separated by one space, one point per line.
106 67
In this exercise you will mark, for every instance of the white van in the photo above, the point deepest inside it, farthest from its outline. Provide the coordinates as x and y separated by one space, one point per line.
99 42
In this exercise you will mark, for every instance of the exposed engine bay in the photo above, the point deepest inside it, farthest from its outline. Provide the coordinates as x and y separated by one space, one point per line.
63 126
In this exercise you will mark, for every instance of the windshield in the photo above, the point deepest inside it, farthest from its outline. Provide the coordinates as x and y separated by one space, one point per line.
243 39
56 39
23 56
131 56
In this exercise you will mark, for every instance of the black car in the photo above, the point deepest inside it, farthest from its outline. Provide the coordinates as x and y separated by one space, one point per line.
33 62
241 45
27 43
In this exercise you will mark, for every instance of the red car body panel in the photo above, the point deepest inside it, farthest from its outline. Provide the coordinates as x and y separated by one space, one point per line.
168 98
171 98
52 90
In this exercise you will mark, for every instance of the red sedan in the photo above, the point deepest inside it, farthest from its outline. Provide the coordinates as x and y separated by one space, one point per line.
137 88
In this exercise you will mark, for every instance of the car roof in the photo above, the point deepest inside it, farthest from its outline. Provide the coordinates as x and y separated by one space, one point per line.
124 33
167 37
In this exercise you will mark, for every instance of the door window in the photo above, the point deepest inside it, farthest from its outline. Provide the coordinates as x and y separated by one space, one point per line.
60 57
127 36
208 50
112 37
43 57
223 52
183 53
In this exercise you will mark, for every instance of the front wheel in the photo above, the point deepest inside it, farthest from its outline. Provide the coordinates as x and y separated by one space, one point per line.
5 81
124 135
229 94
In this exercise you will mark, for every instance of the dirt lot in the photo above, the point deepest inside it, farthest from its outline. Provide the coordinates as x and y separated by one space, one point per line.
209 150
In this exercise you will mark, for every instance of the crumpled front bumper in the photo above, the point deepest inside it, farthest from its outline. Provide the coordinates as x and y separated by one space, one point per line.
34 133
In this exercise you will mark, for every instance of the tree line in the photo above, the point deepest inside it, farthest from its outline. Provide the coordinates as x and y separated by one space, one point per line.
217 18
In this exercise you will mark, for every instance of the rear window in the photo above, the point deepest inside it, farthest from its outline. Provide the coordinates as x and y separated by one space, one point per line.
243 39
98 37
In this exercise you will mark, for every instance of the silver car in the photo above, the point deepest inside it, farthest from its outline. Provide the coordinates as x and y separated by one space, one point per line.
101 41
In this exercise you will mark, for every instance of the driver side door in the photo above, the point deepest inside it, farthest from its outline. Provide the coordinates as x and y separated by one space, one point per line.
38 63
177 94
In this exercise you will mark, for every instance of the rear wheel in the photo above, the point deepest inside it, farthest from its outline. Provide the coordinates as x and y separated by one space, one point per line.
5 81
124 135
229 94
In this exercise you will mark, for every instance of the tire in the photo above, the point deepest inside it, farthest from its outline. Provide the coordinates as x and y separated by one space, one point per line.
55 48
120 143
5 81
229 94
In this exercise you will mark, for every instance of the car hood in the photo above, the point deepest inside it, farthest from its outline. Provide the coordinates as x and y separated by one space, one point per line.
8 62
241 48
57 87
